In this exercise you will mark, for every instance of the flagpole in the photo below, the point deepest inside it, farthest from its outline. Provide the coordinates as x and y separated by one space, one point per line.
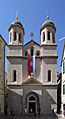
61 38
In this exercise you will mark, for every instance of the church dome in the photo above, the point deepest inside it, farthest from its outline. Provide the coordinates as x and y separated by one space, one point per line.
46 23
16 23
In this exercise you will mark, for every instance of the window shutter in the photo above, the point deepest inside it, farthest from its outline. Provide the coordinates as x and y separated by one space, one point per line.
63 89
63 67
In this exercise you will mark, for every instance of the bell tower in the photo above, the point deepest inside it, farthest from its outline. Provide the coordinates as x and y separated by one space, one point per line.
16 33
47 32
15 52
48 52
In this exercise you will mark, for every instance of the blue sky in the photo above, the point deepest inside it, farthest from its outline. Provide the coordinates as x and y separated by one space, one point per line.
32 13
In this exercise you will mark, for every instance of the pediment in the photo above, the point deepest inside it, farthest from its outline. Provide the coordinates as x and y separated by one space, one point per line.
32 81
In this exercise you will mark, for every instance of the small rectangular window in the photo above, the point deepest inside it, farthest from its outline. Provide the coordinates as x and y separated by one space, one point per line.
15 36
48 35
63 67
63 89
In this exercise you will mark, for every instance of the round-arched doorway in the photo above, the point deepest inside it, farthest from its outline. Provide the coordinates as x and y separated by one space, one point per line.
32 102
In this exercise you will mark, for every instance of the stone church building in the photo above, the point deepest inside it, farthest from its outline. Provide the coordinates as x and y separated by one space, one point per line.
36 93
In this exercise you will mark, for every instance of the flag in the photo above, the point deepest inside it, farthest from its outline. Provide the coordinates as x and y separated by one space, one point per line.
31 65
34 64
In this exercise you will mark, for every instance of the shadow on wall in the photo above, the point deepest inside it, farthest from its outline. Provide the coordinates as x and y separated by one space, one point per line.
13 102
49 102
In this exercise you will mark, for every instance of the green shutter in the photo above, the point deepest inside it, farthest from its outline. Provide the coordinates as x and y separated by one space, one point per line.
63 67
63 89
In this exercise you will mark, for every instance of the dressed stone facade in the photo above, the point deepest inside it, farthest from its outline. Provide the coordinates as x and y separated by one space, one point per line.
2 74
38 93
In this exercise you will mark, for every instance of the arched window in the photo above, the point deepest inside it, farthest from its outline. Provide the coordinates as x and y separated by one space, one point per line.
48 35
49 75
26 53
37 53
20 37
14 75
43 36
32 51
15 36
53 37
10 36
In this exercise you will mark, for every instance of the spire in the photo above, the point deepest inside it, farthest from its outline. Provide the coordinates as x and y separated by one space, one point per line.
17 15
32 36
47 17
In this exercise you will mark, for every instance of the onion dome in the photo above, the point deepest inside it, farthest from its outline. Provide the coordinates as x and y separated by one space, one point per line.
46 23
16 23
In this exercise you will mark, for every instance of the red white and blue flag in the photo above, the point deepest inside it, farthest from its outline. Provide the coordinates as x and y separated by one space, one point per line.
31 65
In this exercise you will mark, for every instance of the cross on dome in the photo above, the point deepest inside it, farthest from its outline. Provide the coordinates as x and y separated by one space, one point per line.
47 17
16 15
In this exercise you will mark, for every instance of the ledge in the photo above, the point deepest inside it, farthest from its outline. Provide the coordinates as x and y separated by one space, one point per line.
49 56
51 44
50 84
14 57
14 84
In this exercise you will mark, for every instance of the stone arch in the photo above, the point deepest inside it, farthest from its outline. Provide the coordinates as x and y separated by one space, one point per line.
36 100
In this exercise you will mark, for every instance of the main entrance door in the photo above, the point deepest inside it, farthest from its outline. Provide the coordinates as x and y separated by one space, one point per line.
32 104
31 107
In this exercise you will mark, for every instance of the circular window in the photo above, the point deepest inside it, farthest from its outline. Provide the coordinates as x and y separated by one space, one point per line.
26 53
38 53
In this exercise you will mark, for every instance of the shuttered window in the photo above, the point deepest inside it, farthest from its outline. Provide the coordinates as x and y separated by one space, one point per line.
63 67
63 89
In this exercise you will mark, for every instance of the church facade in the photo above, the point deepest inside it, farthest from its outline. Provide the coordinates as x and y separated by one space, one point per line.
35 91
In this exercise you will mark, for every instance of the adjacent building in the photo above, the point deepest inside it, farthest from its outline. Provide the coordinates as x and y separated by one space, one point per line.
59 79
63 82
2 74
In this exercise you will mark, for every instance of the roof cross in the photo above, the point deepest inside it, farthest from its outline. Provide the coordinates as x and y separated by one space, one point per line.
32 36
